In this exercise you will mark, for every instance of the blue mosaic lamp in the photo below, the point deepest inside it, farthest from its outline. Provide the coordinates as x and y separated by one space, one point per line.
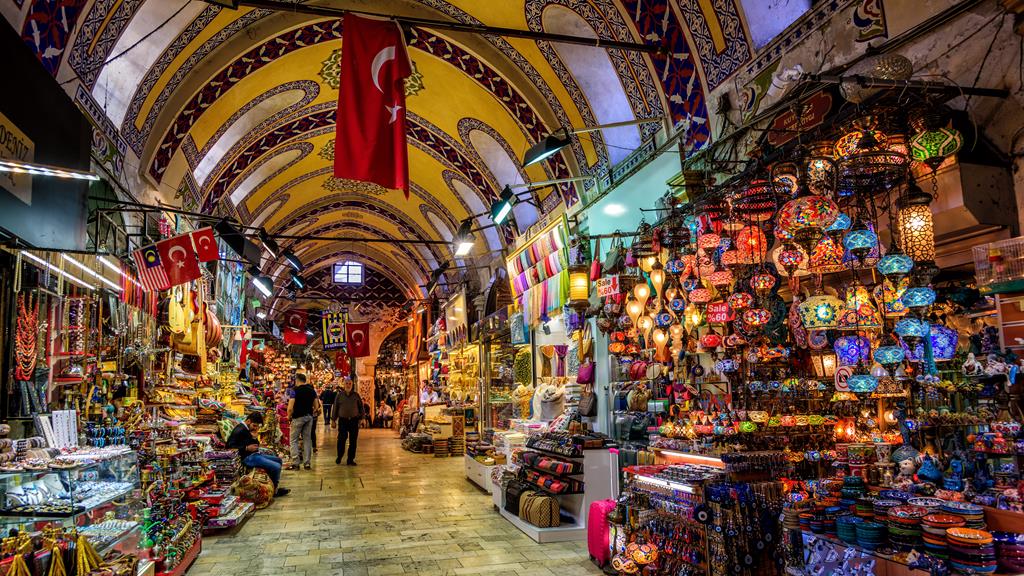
889 355
861 382
918 298
944 342
842 223
911 330
895 265
852 350
860 241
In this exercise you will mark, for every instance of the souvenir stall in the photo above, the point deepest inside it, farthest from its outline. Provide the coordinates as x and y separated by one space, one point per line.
785 341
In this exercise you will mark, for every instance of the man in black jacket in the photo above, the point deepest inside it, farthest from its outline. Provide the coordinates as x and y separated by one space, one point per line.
345 414
248 447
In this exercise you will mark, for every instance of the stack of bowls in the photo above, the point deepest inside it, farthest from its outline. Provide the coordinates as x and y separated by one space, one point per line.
830 518
870 535
791 518
1010 551
895 495
932 504
973 515
865 508
805 520
881 509
853 487
846 528
971 551
934 528
905 526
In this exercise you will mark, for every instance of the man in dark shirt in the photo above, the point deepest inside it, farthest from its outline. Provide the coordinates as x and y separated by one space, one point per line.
248 447
346 413
327 399
301 409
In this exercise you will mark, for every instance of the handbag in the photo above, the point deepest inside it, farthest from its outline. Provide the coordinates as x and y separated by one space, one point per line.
595 265
588 402
513 494
541 510
255 487
614 261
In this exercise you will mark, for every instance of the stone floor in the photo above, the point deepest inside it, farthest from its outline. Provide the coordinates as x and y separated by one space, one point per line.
394 513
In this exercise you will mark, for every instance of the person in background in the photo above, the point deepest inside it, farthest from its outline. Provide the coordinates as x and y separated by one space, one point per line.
346 413
367 419
327 399
316 420
301 409
243 440
386 414
281 407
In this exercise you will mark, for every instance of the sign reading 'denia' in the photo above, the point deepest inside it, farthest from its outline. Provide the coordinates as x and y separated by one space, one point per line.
608 285
15 145
719 312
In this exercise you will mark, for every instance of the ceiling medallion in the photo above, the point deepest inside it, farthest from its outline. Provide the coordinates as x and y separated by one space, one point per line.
327 152
330 71
332 184
414 82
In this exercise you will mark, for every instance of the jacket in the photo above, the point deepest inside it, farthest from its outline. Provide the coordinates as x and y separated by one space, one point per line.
347 405
241 437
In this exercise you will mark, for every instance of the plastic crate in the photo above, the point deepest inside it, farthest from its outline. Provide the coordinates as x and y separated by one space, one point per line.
999 265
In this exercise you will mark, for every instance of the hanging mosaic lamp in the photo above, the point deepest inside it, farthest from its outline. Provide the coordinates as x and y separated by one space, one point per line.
852 350
740 301
827 257
944 343
890 297
762 283
783 235
731 258
700 296
919 298
752 244
757 317
840 226
858 140
709 241
806 218
932 147
895 265
889 387
860 241
754 203
911 330
862 383
790 258
711 341
821 312
866 161
889 355
915 226
820 168
721 279
860 312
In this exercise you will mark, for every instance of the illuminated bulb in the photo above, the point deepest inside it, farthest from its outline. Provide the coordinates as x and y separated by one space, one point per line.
642 292
633 310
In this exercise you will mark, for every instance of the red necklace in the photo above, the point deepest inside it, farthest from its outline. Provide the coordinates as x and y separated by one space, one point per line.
26 338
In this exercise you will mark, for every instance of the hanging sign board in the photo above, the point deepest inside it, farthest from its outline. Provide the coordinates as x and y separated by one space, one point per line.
15 145
608 285
719 313
842 374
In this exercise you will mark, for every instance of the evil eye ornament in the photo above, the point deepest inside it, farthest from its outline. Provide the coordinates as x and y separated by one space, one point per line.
677 304
664 319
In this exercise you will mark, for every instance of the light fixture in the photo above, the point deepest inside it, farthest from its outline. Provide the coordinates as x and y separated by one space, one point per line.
293 260
90 272
269 244
298 281
642 292
502 207
932 147
45 170
821 312
914 224
554 142
261 315
103 260
824 363
464 238
579 286
859 241
262 283
46 264
309 332
634 309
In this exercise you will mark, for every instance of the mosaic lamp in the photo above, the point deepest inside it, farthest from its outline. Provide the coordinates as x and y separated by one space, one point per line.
740 300
895 265
755 203
852 350
721 279
821 312
860 312
932 147
911 330
752 244
889 355
860 241
820 167
790 258
700 296
762 283
806 218
827 257
841 225
890 297
919 299
708 241
861 382
944 342
756 317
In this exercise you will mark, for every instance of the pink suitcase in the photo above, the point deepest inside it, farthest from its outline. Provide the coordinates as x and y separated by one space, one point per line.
597 531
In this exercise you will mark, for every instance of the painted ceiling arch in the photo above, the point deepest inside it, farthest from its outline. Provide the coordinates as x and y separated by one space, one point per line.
237 106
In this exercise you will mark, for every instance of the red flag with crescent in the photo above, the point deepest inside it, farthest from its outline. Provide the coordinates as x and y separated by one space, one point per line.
179 259
206 244
370 141
358 339
295 327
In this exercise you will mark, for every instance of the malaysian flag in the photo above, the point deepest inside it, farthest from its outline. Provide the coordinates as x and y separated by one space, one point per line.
151 271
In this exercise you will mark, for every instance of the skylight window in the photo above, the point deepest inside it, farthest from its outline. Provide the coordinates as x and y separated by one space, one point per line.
348 272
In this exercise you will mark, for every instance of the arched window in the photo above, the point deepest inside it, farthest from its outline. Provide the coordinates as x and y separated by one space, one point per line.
348 272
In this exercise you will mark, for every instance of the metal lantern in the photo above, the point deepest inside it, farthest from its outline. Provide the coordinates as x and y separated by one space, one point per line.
915 228
820 167
643 241
824 364
852 350
856 141
932 147
579 286
889 387
755 203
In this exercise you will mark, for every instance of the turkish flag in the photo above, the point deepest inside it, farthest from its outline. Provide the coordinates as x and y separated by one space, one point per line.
358 340
369 142
179 259
206 244
341 364
295 327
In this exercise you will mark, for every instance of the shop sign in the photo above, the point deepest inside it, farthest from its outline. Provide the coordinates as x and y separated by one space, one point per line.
108 366
333 330
15 145
719 313
842 374
608 285
787 125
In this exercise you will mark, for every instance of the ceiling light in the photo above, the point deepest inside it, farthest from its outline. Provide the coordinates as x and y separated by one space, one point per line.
106 262
261 315
44 170
293 260
502 207
298 281
90 272
464 238
309 332
262 283
614 209
46 264
546 148
269 244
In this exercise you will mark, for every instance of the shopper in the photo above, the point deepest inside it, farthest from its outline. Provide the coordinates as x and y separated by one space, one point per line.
346 414
243 440
386 415
327 399
301 409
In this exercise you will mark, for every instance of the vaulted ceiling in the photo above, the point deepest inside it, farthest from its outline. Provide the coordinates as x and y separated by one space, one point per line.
232 111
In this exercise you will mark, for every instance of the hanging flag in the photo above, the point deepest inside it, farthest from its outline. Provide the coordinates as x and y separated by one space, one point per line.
333 329
369 142
152 275
295 327
179 258
206 244
358 336
341 364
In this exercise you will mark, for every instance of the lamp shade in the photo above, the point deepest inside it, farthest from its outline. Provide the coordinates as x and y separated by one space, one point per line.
944 342
700 296
851 350
859 239
889 355
824 364
708 241
807 212
740 300
862 383
857 141
895 265
916 232
912 330
821 312
826 257
762 282
757 316
890 297
841 223
918 297
933 146
790 260
579 286
751 244
860 312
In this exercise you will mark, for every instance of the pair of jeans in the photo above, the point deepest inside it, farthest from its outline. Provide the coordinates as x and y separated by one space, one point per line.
302 428
327 416
348 428
271 464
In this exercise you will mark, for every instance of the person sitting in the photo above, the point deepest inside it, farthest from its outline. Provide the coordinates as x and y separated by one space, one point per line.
386 415
243 440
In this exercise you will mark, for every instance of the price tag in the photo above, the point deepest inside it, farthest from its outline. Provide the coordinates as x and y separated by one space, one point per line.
719 313
842 373
608 285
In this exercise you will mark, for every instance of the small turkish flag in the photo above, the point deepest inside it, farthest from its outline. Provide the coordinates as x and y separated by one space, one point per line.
206 244
341 364
358 340
179 259
370 140
295 327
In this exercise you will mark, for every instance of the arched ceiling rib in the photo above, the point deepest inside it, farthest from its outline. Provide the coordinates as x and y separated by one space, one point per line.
237 107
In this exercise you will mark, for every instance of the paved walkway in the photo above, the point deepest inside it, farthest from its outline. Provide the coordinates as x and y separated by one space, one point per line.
395 513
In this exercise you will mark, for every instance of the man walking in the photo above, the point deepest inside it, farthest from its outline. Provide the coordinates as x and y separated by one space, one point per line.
301 409
346 414
327 399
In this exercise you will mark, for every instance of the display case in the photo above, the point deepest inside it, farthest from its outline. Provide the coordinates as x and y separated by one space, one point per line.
73 491
499 384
